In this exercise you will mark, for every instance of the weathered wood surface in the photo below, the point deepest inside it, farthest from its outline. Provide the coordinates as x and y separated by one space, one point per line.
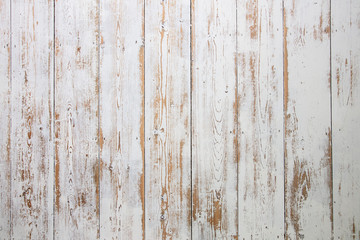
214 117
345 36
76 120
179 119
307 116
5 119
260 119
122 120
167 124
31 149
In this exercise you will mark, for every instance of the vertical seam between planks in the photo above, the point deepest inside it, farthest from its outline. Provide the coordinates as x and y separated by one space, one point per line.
331 132
53 120
237 119
284 121
10 122
144 121
191 132
98 110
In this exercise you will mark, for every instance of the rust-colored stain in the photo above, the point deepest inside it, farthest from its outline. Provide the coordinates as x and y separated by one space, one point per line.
353 229
214 211
97 189
327 163
142 133
299 189
252 17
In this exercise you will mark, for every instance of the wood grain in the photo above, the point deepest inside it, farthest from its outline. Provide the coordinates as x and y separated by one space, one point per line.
214 108
345 36
308 160
32 113
260 119
5 119
122 120
167 124
76 120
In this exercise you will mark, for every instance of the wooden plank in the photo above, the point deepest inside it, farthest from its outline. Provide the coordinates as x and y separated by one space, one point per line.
214 108
5 119
76 120
260 119
167 124
308 167
345 37
122 120
32 119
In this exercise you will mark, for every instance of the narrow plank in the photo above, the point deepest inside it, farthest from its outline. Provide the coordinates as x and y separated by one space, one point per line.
260 119
308 167
122 120
76 120
32 118
214 108
167 124
5 119
345 37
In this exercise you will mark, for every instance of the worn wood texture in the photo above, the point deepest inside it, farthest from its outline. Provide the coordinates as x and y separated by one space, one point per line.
32 125
122 120
167 124
214 108
345 37
5 119
260 119
76 120
308 161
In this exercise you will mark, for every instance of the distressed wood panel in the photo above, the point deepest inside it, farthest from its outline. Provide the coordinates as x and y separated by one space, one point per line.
260 119
214 117
345 37
167 125
5 119
76 120
32 119
308 167
122 120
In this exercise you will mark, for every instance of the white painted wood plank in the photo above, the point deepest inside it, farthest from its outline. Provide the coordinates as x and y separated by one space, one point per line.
32 118
76 120
5 119
308 168
167 124
260 119
122 120
214 107
345 37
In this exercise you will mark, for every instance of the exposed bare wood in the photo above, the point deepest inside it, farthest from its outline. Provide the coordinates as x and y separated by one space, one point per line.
76 120
308 176
345 36
214 115
260 119
122 120
167 114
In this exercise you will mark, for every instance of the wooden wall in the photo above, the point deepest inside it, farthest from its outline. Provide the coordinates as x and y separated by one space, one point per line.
172 119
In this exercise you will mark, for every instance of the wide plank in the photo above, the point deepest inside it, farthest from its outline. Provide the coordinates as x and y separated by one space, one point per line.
122 120
167 120
307 116
345 58
260 119
214 117
76 120
32 119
